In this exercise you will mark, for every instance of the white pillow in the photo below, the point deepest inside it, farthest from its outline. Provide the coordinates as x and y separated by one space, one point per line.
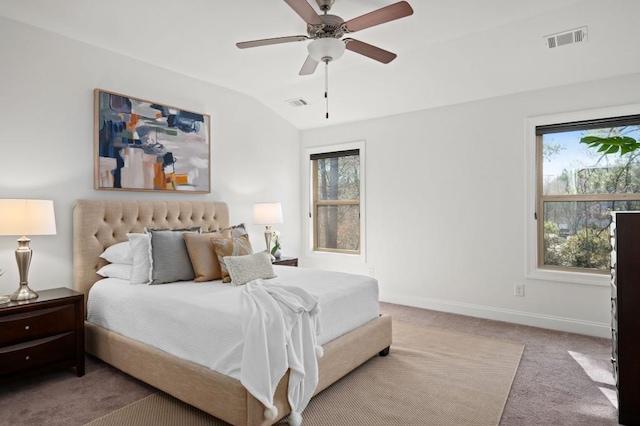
116 270
243 269
142 266
118 253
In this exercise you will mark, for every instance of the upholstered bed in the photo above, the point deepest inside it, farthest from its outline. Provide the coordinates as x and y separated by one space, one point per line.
98 224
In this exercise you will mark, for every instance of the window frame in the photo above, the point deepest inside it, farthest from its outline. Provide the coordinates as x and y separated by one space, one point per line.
533 204
311 175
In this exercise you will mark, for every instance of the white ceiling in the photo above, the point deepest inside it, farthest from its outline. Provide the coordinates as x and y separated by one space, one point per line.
449 51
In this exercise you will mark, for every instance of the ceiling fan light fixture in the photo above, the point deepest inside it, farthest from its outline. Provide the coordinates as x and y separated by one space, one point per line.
326 49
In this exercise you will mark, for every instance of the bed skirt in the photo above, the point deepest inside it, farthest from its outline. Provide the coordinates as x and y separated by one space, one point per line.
223 396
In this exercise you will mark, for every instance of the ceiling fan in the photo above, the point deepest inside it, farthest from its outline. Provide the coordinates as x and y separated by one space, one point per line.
326 32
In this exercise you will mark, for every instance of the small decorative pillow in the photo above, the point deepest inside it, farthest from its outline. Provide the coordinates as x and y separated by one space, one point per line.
239 246
203 256
116 270
171 260
236 230
118 253
243 269
141 251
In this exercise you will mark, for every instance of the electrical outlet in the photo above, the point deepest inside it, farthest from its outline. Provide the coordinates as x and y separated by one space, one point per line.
370 271
518 290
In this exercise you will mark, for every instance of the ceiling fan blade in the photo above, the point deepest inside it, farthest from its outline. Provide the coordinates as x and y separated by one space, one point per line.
369 50
380 16
309 66
306 12
268 41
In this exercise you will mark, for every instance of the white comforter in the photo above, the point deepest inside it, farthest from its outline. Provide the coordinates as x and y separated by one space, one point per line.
202 322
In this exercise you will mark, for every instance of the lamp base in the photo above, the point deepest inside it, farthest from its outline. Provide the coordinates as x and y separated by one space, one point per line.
267 240
23 257
23 293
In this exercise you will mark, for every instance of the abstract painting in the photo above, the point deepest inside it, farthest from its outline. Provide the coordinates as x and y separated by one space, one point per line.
147 146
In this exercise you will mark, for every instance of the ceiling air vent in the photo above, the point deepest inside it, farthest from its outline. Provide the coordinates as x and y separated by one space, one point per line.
297 102
578 35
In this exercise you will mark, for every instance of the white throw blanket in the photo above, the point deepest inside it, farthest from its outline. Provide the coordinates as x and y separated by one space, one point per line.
280 327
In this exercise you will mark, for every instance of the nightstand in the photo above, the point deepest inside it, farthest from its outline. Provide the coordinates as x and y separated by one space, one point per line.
286 261
43 333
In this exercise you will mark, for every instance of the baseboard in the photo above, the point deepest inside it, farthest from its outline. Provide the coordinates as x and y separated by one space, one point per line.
517 317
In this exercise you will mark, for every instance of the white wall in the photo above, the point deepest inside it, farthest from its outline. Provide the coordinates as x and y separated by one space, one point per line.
445 223
446 207
46 142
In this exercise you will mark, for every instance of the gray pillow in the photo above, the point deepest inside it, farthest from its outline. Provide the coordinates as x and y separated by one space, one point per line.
243 269
171 260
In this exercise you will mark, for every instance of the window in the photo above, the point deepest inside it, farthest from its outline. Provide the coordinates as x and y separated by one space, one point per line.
336 201
585 170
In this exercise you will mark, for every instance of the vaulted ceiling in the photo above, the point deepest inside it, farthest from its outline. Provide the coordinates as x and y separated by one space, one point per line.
449 51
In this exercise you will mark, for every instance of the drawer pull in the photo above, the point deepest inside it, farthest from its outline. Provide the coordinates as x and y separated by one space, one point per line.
26 327
27 358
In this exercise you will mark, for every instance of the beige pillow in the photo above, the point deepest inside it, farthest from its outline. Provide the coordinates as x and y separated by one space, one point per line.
203 258
243 269
239 246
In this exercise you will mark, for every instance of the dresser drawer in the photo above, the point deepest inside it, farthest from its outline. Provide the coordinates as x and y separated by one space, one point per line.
37 353
614 314
614 353
38 323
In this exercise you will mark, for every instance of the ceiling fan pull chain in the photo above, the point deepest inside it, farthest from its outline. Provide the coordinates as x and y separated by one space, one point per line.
326 86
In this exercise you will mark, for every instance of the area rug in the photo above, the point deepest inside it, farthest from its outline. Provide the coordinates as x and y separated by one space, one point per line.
431 377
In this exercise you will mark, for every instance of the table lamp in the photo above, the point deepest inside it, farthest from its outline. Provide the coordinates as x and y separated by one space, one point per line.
267 214
26 217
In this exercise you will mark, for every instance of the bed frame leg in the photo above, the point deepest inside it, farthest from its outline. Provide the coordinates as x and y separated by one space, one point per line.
385 351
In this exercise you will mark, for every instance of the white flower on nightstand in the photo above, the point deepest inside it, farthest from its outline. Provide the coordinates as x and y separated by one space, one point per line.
275 239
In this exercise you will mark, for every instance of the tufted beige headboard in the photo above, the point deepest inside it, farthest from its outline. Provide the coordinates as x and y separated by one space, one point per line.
97 224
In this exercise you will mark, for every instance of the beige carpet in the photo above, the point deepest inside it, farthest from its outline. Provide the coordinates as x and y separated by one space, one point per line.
431 377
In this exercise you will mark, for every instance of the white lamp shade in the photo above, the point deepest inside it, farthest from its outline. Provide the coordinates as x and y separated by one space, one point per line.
267 213
27 217
321 48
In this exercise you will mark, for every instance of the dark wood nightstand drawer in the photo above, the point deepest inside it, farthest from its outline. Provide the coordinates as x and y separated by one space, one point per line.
36 353
42 334
286 261
35 324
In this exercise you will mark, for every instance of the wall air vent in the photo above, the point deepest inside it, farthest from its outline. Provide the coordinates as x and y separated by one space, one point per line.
578 35
297 102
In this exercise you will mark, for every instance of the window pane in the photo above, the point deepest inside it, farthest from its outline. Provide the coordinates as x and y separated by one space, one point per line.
338 227
338 178
570 167
576 234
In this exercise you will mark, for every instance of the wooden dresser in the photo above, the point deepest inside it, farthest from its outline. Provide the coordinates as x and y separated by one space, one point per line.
625 314
42 333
